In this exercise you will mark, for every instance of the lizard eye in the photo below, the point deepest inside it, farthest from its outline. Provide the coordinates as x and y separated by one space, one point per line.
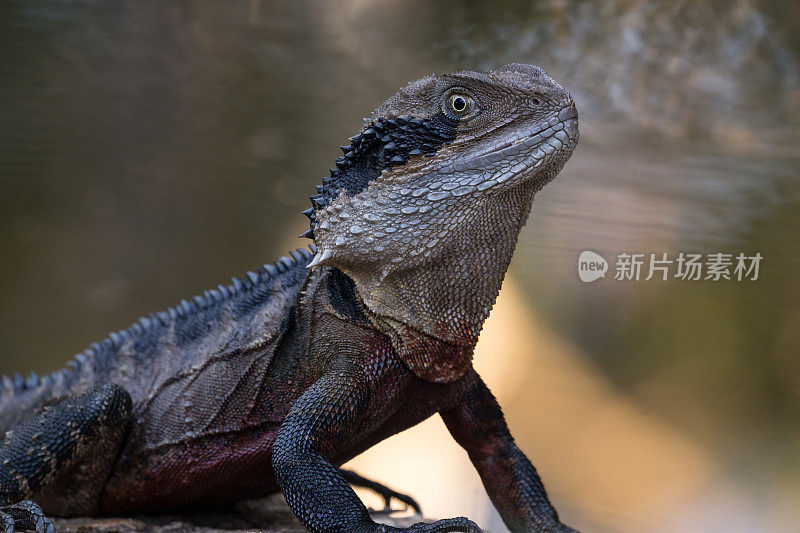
460 104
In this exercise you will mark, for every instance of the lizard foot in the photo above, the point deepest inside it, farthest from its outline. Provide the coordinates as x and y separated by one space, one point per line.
449 525
553 526
24 515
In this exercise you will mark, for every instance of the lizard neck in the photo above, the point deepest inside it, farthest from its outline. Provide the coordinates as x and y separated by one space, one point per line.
433 311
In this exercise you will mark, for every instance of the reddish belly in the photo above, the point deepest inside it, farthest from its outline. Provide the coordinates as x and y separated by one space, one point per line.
210 471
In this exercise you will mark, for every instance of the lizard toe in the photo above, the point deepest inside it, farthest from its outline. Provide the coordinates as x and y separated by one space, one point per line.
448 525
383 491
7 523
25 515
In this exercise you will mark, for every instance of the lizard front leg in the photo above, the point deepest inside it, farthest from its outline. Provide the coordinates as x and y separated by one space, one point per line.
321 423
478 425
61 458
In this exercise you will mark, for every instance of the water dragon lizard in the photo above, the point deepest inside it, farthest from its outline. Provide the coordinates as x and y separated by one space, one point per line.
273 382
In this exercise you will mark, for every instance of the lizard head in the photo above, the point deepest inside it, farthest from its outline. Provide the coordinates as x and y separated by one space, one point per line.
435 188
432 152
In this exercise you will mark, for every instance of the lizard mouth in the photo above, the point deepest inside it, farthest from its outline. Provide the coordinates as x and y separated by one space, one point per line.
559 133
525 152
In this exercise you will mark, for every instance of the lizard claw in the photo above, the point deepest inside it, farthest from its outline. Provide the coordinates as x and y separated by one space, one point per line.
383 491
25 515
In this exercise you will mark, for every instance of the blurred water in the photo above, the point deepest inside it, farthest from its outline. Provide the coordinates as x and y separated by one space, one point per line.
150 151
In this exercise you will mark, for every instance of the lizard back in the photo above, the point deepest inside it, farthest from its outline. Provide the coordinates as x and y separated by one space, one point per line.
164 360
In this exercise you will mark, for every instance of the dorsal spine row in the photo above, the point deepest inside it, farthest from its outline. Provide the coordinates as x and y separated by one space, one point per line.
240 286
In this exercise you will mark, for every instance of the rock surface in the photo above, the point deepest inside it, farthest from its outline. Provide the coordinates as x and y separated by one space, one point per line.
268 515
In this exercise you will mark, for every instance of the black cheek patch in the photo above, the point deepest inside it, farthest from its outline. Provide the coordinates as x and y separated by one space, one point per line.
383 144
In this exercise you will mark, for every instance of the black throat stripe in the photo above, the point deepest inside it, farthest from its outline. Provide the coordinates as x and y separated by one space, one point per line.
383 144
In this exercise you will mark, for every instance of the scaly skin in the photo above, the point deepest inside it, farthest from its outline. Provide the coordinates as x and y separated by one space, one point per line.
274 382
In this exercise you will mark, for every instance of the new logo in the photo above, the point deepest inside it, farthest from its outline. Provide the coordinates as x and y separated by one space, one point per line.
591 266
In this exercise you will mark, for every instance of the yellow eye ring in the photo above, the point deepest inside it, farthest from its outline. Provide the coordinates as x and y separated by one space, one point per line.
459 104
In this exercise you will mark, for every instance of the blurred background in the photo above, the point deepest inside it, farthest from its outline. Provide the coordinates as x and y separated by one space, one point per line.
151 150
